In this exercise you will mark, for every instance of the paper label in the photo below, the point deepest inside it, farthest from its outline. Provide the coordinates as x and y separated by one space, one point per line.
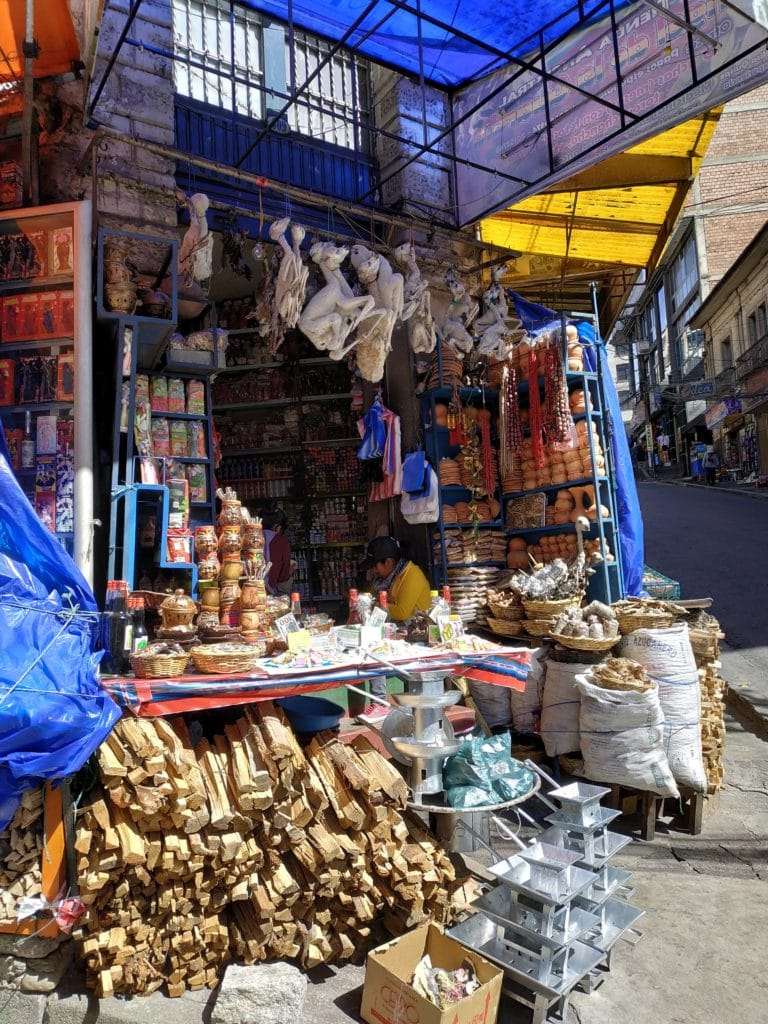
299 640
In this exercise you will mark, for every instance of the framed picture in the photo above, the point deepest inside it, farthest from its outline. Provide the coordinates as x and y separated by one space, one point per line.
61 252
65 391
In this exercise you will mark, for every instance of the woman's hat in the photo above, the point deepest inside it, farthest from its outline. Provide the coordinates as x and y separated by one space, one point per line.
379 549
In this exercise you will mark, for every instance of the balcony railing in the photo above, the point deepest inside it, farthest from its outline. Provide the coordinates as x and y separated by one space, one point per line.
725 380
751 360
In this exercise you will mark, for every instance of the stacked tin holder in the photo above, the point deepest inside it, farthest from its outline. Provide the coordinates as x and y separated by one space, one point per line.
555 917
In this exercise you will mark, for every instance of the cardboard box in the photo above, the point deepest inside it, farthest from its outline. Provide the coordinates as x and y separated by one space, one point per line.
7 381
388 997
65 387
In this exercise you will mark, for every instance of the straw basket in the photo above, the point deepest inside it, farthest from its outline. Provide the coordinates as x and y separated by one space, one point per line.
538 627
157 665
586 643
222 659
639 618
551 609
508 612
505 627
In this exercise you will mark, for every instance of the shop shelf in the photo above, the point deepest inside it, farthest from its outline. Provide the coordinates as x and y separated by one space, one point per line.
340 544
180 415
246 367
582 482
471 565
257 403
465 393
35 284
37 343
185 458
307 399
345 442
34 407
321 495
494 524
234 453
555 528
452 488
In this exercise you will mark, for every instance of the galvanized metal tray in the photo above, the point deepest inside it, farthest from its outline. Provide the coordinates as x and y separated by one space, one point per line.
502 905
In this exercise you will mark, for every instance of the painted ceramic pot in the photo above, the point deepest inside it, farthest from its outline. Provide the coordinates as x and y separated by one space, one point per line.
229 542
231 514
206 542
208 568
120 298
253 594
177 610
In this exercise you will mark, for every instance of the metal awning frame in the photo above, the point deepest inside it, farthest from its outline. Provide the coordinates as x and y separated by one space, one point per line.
535 64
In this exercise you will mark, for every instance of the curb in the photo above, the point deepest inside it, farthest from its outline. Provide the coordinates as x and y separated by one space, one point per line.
701 487
744 708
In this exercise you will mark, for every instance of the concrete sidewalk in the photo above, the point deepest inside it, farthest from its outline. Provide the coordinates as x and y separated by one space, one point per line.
742 490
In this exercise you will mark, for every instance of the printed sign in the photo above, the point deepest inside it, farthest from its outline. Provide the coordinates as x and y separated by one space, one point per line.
697 389
507 112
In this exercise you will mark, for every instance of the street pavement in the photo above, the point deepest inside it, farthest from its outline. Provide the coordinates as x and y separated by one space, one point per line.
714 543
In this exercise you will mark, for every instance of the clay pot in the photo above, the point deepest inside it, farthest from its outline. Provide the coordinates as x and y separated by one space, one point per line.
177 610
253 537
250 620
119 272
231 570
210 597
231 514
253 594
208 618
206 542
120 298
229 543
208 569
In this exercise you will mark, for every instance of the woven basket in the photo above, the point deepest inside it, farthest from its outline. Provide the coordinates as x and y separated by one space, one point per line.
505 627
586 643
551 609
508 612
630 621
225 658
158 666
538 627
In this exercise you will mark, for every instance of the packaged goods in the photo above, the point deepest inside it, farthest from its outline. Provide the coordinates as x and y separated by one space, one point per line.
176 401
158 394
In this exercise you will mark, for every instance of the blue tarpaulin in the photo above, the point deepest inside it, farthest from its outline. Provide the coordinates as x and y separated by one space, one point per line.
53 712
537 318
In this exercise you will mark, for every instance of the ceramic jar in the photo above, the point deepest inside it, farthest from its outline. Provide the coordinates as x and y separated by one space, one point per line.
253 594
229 611
118 272
120 298
206 542
208 568
253 538
208 618
177 610
210 597
250 620
231 514
231 569
229 542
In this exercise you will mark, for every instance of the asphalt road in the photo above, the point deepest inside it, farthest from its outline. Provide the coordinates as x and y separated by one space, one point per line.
715 545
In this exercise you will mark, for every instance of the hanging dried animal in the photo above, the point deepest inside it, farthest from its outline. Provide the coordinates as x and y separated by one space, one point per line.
386 287
417 302
491 328
333 313
292 277
264 299
233 242
195 260
459 316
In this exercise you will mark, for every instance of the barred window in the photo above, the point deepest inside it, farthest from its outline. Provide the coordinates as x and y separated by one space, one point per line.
226 55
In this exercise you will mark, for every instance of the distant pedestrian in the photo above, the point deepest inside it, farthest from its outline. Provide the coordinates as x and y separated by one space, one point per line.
711 464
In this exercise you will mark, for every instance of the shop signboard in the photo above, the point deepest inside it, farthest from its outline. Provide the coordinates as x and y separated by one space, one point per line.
717 413
697 389
649 443
507 113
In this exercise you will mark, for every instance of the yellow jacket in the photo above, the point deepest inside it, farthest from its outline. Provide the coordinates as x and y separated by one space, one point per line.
410 592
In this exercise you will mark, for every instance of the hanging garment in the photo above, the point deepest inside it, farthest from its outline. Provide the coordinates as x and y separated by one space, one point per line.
391 483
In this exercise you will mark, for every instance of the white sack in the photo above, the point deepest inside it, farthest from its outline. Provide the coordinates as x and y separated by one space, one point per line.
622 738
667 657
560 707
526 704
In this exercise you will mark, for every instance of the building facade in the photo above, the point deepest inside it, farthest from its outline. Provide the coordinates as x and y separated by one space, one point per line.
669 385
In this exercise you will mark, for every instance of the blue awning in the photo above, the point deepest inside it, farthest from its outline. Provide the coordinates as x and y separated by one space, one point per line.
459 40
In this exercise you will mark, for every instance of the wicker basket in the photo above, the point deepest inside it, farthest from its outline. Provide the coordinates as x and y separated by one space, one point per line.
225 658
586 643
148 665
538 627
508 612
505 627
629 621
551 609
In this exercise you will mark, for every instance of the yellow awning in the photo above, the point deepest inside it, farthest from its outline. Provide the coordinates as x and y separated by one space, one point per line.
604 223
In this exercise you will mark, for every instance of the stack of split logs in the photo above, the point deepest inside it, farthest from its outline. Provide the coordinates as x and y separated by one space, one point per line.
243 846
705 634
21 856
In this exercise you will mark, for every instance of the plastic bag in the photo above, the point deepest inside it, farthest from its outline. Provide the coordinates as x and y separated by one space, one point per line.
374 432
415 474
483 772
426 507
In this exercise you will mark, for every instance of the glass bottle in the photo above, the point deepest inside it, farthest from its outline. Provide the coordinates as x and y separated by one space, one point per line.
354 618
384 601
296 605
107 666
27 444
447 599
119 628
140 634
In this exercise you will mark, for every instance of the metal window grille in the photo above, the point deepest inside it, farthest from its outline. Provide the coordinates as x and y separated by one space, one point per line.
219 59
337 97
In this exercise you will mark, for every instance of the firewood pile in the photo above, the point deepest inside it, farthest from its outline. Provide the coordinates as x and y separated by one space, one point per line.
705 634
245 847
21 850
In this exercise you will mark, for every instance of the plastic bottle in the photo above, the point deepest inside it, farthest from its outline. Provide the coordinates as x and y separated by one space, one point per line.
296 605
435 609
384 601
447 599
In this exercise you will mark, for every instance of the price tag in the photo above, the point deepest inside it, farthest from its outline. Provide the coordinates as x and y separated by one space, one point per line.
451 627
299 640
